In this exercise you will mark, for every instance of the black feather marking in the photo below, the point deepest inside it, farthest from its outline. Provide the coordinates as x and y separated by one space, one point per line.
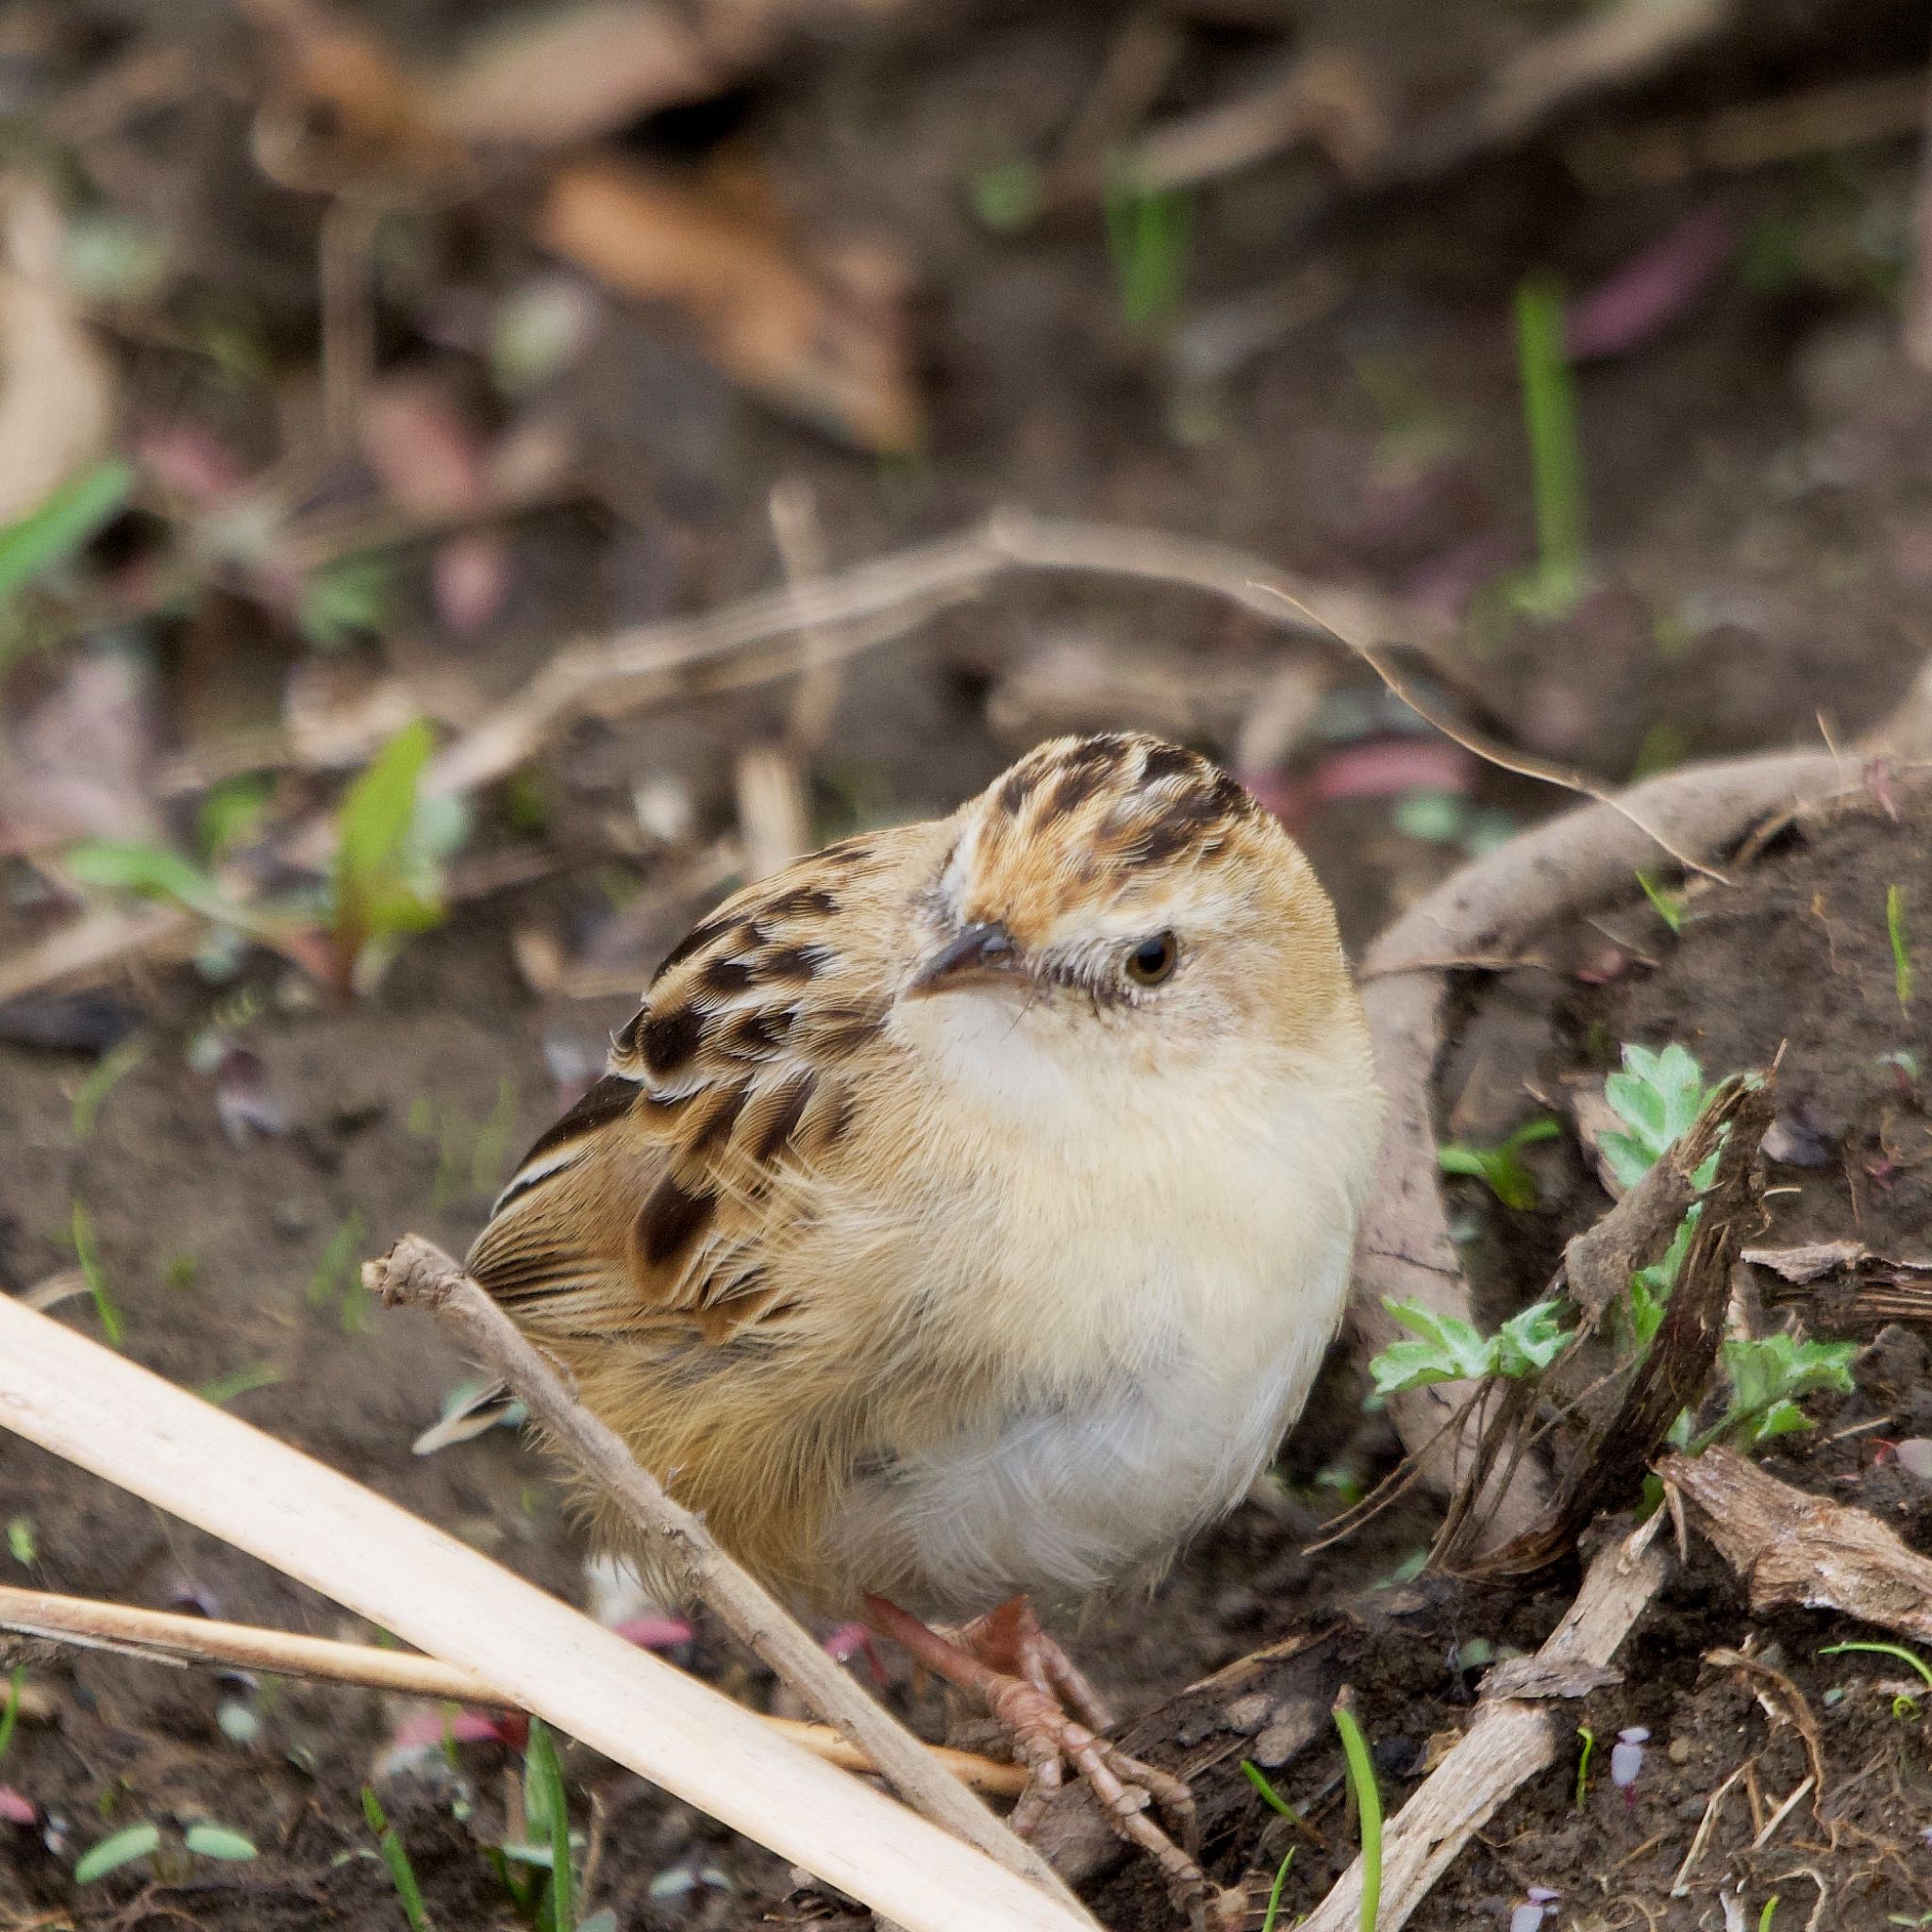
779 1127
727 974
695 941
1168 762
611 1096
669 1041
794 965
672 1222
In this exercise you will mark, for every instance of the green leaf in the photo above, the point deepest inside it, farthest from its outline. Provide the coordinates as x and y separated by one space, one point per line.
155 872
10 1707
218 1841
58 527
378 808
1530 1341
1449 1349
117 1849
544 1795
1783 1418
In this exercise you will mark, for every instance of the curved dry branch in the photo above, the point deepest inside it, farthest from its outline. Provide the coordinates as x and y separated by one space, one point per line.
1494 906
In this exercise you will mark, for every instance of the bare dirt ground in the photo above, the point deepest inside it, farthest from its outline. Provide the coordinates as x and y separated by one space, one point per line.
1330 384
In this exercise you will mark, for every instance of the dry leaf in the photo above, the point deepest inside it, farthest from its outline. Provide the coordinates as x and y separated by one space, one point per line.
819 349
1808 1261
545 79
77 764
56 396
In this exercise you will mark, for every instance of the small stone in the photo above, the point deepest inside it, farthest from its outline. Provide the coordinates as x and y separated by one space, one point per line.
291 1219
1680 1750
1247 1715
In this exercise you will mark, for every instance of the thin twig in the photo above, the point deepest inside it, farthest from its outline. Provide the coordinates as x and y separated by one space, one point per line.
1509 1742
1497 905
417 1274
84 1402
170 1638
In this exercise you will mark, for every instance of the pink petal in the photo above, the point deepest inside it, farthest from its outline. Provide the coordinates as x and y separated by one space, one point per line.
17 1808
189 461
655 1633
1642 297
425 1728
426 455
1387 767
471 579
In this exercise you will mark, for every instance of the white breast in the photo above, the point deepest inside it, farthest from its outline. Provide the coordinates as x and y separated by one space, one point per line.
1160 1274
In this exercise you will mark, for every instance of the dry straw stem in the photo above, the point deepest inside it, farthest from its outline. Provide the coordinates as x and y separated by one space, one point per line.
1509 1742
417 1274
1492 907
83 1402
169 1637
1792 1548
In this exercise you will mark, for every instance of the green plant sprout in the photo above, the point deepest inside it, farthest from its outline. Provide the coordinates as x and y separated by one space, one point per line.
1769 1912
1766 1377
1589 1751
1260 1779
1903 1706
219 1842
223 1389
87 1255
113 1066
1501 1168
1149 232
1447 1349
395 1855
62 523
337 1278
1669 906
1900 945
1658 1097
1556 587
390 846
547 1809
1274 1911
9 1711
119 1848
23 1545
1368 1809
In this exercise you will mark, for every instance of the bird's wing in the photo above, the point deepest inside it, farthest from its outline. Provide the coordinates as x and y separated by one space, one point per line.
666 1192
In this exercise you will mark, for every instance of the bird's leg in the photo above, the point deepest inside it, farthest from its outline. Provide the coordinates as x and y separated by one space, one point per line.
1051 1712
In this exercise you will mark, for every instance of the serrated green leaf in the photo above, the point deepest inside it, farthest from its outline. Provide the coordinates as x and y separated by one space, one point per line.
1446 1350
1638 1103
1531 1341
218 1841
1628 1161
1783 1418
119 1848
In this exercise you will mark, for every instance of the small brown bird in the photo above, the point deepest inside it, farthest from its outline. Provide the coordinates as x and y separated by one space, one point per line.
967 1209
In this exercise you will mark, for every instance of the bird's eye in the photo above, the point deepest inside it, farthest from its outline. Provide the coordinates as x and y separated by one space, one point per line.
1153 959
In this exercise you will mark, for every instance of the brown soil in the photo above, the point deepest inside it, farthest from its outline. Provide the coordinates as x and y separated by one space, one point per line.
1757 479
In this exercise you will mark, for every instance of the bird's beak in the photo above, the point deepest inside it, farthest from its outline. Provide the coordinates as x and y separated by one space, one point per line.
980 954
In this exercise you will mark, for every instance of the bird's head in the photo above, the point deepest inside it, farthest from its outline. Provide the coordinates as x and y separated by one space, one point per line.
1124 884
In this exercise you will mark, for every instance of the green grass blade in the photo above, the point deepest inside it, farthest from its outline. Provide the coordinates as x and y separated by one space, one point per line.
1368 1804
48 535
401 1873
540 1760
1555 447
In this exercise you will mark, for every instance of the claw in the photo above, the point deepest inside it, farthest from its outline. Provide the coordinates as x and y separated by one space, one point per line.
1054 1716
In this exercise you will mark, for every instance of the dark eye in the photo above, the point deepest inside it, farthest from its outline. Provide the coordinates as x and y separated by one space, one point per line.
1153 959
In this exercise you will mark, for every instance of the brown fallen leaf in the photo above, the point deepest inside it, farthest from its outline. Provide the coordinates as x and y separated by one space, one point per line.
56 394
546 79
77 763
805 341
1808 1261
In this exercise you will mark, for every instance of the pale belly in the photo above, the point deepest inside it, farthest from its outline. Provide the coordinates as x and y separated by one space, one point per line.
1095 1484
